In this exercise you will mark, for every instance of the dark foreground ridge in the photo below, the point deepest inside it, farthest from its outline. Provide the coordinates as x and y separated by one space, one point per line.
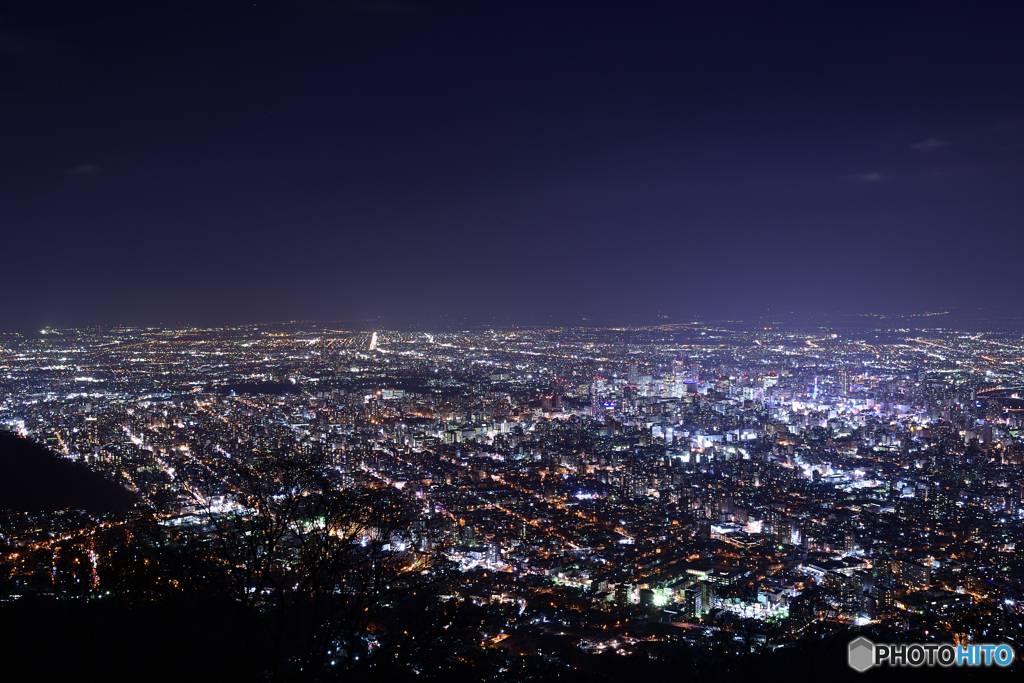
32 479
204 638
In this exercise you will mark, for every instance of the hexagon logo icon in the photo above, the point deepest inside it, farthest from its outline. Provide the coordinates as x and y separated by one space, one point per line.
861 654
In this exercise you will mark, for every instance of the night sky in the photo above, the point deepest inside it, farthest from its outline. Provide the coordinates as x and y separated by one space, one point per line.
422 163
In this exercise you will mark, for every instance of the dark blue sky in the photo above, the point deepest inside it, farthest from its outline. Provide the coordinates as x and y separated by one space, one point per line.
223 162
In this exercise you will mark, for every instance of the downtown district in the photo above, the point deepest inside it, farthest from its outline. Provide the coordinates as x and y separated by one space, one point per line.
594 489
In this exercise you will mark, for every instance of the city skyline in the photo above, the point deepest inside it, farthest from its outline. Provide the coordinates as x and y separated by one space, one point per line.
449 341
701 500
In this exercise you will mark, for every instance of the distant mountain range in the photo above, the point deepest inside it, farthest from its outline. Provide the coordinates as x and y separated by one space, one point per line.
32 479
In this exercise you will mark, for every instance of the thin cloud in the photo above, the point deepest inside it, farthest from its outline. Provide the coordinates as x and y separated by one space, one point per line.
929 145
869 177
1008 126
86 169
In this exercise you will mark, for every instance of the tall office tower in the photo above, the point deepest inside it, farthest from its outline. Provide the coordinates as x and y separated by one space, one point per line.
685 372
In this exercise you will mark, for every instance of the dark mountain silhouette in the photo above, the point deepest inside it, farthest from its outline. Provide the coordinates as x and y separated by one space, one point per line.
32 479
